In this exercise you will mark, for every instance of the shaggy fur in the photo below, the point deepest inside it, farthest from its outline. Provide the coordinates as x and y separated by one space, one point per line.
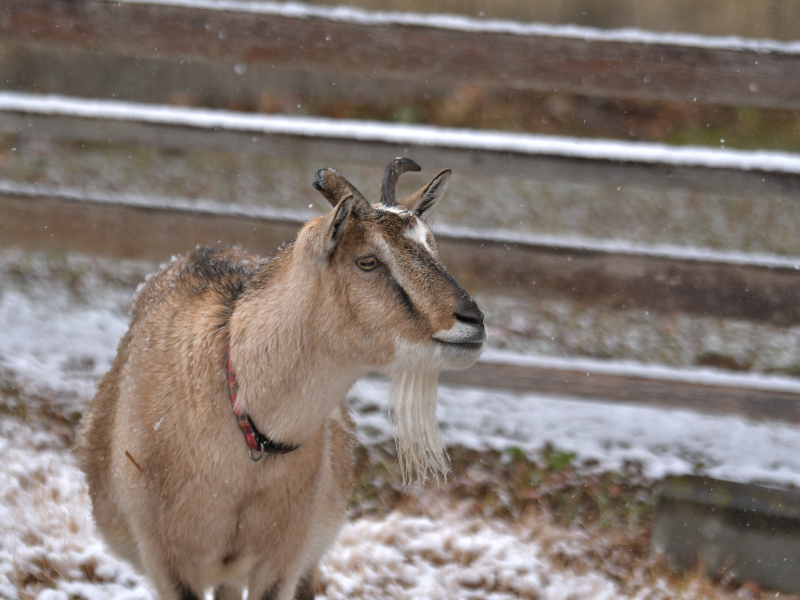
419 442
173 488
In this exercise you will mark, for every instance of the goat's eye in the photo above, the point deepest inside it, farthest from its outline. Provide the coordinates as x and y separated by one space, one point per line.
367 263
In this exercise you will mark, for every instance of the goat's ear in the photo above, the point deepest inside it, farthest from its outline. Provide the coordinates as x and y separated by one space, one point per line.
421 201
338 217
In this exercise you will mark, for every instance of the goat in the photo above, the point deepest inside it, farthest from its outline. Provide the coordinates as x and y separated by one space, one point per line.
222 344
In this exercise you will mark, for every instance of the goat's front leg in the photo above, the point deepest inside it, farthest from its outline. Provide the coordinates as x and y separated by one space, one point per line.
168 583
307 586
227 592
290 586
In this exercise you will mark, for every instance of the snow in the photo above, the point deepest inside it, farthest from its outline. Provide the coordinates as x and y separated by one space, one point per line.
198 205
50 550
438 558
58 341
347 14
603 436
401 134
580 243
46 530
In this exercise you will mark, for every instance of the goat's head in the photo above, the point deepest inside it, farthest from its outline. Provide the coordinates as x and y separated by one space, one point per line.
410 317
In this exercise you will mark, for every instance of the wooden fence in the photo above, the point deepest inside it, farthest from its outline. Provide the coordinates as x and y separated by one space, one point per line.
412 49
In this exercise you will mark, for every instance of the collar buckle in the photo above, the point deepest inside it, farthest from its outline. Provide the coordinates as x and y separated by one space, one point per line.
254 438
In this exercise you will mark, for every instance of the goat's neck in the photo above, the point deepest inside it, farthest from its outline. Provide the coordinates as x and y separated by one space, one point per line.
284 349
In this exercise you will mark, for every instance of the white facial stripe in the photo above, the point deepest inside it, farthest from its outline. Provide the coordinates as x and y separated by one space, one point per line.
385 249
418 233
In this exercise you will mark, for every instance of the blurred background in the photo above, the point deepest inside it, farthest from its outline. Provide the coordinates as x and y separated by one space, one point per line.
624 208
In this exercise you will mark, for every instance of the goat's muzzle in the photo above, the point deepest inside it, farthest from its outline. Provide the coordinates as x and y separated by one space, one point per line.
463 342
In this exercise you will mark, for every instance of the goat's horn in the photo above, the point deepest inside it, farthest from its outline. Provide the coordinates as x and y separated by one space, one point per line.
396 168
334 187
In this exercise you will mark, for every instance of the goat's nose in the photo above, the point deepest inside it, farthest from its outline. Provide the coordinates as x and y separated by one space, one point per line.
468 312
468 328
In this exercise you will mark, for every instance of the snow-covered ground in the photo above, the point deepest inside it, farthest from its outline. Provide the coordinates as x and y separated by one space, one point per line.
49 549
61 318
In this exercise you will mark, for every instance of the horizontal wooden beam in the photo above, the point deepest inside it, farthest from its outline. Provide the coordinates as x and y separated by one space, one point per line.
756 403
182 129
618 280
414 52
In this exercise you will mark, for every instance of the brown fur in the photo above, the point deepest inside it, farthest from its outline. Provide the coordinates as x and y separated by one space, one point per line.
172 486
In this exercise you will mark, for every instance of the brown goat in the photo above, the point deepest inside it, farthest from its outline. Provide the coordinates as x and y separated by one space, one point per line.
177 488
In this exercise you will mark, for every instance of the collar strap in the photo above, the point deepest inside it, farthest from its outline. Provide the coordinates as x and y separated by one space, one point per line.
254 438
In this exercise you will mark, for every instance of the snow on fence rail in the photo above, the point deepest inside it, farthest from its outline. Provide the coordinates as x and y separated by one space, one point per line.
546 158
617 64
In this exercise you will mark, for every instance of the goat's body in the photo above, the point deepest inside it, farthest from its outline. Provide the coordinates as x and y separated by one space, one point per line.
173 488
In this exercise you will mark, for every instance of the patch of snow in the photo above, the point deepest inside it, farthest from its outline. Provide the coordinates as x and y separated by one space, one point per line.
50 549
394 133
418 557
579 243
57 341
47 535
602 435
453 22
72 353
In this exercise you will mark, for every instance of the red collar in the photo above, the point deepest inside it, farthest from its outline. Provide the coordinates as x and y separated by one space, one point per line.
254 438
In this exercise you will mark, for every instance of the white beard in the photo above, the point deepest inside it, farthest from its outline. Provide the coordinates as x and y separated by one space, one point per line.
420 450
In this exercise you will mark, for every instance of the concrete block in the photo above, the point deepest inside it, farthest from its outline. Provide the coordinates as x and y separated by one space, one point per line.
750 531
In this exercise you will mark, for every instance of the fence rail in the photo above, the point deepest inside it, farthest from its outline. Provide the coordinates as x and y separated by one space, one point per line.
543 158
416 48
619 280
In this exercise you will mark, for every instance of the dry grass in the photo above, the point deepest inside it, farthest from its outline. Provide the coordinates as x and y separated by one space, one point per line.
583 522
